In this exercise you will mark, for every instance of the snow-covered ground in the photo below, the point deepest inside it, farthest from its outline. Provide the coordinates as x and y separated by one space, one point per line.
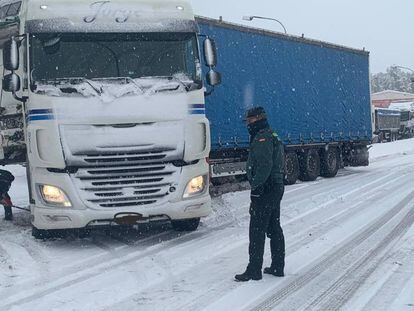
350 246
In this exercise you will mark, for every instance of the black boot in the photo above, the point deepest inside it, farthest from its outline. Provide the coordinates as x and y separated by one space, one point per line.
8 215
249 275
274 271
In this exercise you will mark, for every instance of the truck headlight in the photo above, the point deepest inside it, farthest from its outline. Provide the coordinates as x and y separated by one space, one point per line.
196 186
54 195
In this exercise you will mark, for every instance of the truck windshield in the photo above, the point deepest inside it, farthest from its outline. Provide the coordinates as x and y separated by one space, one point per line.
94 56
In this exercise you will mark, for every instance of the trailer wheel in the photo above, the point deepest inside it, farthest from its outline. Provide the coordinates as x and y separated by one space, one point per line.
292 168
310 165
330 163
185 224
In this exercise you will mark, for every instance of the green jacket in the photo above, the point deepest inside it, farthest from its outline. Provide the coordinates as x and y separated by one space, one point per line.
265 165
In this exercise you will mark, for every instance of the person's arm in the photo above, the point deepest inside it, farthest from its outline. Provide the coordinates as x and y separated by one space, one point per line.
262 155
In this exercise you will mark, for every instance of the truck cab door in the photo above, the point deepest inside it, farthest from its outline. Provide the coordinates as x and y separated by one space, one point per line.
12 140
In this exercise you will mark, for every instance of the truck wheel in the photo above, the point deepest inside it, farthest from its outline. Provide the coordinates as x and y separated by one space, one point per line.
185 224
310 165
330 163
83 233
47 234
41 234
361 157
292 168
389 137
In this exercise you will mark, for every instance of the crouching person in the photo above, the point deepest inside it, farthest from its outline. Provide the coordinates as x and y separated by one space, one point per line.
6 180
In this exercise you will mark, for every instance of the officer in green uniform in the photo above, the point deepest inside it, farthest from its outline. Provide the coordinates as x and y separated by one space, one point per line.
265 171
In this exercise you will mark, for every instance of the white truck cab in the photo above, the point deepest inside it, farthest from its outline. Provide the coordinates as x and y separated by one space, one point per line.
104 103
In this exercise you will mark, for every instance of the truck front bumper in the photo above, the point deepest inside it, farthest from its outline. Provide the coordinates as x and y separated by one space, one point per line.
66 218
173 206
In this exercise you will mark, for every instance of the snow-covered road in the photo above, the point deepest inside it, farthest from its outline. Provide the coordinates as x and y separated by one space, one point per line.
350 246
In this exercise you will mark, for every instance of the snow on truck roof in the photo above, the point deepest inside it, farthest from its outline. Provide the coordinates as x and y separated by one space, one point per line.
388 112
271 33
108 16
403 106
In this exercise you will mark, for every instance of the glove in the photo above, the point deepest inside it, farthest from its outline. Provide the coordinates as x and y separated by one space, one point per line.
6 201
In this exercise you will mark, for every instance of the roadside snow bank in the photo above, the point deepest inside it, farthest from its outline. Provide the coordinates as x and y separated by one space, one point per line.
386 150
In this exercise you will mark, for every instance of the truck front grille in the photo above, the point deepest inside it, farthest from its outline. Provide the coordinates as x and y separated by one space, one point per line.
126 158
108 184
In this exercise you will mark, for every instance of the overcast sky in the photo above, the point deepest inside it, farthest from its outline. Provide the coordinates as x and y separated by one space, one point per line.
384 27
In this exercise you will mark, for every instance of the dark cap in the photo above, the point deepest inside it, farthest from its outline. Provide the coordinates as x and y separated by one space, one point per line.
256 112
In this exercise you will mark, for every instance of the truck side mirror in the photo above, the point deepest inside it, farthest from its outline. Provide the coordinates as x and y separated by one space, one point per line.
11 55
210 52
210 57
11 83
213 78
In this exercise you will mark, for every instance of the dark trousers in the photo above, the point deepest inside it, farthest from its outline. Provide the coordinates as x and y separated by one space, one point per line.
8 213
265 219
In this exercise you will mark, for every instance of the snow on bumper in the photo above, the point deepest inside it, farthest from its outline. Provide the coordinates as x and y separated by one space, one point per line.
60 218
91 211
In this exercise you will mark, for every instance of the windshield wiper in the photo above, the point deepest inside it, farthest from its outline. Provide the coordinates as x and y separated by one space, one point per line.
170 78
129 79
98 91
65 82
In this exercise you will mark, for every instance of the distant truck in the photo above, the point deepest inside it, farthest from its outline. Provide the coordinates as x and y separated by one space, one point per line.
407 118
316 94
104 103
387 124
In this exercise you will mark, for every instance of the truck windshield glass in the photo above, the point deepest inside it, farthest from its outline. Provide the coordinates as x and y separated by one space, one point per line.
102 56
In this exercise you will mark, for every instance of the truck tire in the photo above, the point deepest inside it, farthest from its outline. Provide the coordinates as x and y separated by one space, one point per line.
185 224
292 168
310 165
39 234
47 234
330 163
361 158
83 233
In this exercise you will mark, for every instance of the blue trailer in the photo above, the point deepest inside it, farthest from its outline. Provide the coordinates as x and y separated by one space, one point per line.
316 94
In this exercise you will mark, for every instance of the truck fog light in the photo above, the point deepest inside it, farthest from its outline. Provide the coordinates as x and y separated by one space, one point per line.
54 195
196 186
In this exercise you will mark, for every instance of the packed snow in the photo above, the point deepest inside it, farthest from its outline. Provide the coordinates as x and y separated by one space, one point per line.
350 246
105 91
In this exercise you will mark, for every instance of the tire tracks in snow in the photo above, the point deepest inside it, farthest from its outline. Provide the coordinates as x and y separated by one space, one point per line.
391 281
8 300
331 259
310 192
345 287
394 283
243 243
130 251
302 238
299 240
110 254
321 228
